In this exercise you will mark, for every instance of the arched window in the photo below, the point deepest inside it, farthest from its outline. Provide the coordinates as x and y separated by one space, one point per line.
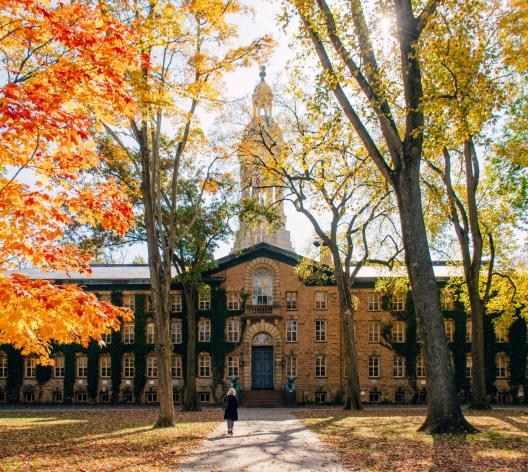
262 287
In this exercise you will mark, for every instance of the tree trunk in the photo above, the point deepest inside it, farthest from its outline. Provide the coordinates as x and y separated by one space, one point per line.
352 391
479 400
166 416
443 410
191 402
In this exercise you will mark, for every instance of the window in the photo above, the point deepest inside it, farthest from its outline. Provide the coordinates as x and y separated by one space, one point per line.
152 367
291 300
148 303
205 397
106 338
3 366
262 287
129 336
291 331
104 397
502 397
291 366
501 362
29 396
176 332
176 367
398 369
104 296
501 335
82 366
30 367
420 367
81 397
204 365
233 331
374 366
204 331
374 331
469 366
57 397
450 330
320 330
398 331
374 396
204 298
320 366
398 302
422 395
447 302
320 397
374 302
151 397
469 326
175 397
176 305
129 301
320 300
128 367
399 396
105 366
232 365
127 396
233 301
58 368
151 332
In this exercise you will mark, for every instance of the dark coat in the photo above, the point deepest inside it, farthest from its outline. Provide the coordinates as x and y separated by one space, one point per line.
231 412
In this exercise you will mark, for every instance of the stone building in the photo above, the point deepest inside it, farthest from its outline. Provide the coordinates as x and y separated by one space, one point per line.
260 322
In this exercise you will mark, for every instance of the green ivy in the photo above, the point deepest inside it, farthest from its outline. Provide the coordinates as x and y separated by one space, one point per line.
141 348
69 351
93 369
116 351
15 373
518 350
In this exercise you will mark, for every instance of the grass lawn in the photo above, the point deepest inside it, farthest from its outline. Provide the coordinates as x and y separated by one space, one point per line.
386 440
98 440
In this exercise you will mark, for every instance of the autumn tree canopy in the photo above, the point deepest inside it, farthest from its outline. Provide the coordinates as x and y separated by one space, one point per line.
62 64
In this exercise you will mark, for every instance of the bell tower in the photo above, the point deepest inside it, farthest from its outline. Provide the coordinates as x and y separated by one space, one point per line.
261 143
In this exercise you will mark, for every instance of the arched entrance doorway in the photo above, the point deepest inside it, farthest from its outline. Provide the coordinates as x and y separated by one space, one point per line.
262 362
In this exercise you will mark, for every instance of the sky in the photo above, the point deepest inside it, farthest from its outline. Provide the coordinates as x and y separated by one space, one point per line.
240 85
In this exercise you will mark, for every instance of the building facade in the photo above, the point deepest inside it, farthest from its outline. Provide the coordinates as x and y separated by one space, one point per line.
260 321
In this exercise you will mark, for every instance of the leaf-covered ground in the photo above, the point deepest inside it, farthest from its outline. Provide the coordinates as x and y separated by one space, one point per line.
98 440
386 440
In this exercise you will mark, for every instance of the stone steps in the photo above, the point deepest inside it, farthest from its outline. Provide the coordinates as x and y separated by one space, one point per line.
261 399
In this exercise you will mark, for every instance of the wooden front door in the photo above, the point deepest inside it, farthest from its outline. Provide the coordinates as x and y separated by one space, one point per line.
262 367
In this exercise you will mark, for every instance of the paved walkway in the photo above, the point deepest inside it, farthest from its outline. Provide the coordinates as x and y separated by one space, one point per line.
264 440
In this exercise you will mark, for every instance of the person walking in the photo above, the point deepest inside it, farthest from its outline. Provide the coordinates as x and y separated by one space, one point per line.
231 411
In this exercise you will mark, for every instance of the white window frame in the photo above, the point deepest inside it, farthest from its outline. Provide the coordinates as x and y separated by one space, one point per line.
398 367
233 331
374 331
469 366
262 287
58 368
502 364
420 367
449 329
152 367
105 367
204 366
374 301
291 300
106 338
176 302
129 334
233 301
204 330
469 335
447 303
3 366
150 331
321 300
30 367
374 370
291 331
129 301
81 366
176 331
398 302
129 366
292 365
320 366
176 366
233 365
204 299
399 328
320 331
